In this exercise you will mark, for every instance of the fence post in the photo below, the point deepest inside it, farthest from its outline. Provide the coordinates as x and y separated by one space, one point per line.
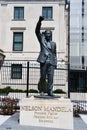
27 78
68 50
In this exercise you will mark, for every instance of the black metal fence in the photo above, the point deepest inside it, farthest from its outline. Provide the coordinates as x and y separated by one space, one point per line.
21 78
78 88
25 76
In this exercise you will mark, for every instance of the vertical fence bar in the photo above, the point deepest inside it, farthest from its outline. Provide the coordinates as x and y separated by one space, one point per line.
68 50
27 78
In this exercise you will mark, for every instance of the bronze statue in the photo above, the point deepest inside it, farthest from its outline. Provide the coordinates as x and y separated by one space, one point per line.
47 57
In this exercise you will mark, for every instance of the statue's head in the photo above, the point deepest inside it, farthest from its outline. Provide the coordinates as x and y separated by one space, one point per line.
48 35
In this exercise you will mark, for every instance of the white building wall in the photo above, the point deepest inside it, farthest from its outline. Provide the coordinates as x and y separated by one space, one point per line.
32 11
31 47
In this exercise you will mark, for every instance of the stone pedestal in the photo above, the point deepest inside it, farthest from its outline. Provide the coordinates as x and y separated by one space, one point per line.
53 113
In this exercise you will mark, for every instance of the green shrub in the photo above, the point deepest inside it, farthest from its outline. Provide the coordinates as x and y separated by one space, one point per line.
17 90
33 91
9 89
5 90
45 88
59 91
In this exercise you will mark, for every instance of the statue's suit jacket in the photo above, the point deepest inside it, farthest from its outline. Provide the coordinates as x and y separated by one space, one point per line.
44 49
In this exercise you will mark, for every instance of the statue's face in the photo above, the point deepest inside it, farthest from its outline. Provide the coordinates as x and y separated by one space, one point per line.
48 34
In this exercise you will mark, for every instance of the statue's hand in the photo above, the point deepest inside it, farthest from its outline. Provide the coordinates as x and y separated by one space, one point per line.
41 18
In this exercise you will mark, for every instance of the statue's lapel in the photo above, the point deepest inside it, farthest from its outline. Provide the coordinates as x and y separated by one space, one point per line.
47 45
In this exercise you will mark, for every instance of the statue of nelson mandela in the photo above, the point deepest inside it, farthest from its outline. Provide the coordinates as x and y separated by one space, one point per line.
47 57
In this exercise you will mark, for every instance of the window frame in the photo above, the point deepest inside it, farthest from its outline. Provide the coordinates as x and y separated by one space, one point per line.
47 9
17 42
16 72
19 18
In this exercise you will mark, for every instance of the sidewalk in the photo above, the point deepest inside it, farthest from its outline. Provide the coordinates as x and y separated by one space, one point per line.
12 124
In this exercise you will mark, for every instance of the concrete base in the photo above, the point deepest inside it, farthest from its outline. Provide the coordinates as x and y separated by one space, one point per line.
53 113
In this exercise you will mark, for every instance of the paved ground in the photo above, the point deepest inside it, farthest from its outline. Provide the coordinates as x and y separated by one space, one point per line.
12 124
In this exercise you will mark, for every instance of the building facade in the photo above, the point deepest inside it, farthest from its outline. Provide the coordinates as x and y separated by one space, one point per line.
18 20
78 45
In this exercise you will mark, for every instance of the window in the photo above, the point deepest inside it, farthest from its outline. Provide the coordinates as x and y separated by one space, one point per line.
82 28
82 36
83 60
82 2
17 41
47 12
19 13
16 71
82 11
78 81
82 8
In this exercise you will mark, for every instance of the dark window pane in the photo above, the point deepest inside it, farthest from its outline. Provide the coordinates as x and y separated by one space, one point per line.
18 37
18 12
44 13
18 47
16 71
17 41
47 12
21 12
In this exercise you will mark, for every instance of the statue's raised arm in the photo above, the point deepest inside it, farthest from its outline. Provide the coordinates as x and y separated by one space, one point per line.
38 26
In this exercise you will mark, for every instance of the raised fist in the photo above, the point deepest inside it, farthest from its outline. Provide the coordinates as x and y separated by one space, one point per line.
41 18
